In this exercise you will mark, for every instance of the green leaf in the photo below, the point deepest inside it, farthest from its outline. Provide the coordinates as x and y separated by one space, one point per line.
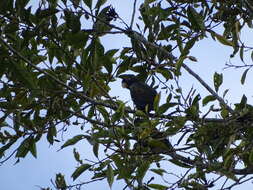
251 156
195 19
23 75
224 113
80 170
51 134
100 3
159 171
24 148
157 144
163 108
88 3
188 46
208 99
78 39
77 156
142 170
110 175
181 164
33 149
218 80
6 147
21 4
95 149
225 92
166 32
228 161
223 40
156 101
179 64
119 113
241 53
72 21
158 186
166 73
104 113
244 76
72 141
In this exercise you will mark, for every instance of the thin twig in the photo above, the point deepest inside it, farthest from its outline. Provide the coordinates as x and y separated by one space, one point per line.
133 14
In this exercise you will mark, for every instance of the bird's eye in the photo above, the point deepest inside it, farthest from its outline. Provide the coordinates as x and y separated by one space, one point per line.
124 85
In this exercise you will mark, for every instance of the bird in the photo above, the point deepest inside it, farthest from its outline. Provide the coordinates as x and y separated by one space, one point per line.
142 94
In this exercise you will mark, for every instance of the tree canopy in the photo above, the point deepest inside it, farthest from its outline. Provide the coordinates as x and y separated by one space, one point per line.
56 72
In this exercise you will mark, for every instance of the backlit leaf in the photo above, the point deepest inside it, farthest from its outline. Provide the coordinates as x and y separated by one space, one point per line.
80 170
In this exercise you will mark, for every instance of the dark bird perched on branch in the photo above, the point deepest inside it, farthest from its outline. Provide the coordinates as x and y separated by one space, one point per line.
142 95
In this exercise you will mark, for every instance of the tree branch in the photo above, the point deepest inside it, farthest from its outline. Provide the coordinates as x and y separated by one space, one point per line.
196 76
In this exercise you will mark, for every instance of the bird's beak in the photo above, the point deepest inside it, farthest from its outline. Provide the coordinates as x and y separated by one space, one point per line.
124 85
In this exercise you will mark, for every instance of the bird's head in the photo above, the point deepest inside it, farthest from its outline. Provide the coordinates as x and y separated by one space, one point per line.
128 80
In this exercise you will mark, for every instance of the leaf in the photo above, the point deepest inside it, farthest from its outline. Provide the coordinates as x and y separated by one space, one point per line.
179 64
228 161
223 40
88 3
225 92
100 3
244 76
166 73
77 156
224 113
21 4
158 186
241 53
195 19
159 171
72 141
163 108
45 12
95 149
218 80
181 164
51 134
189 45
166 32
104 113
6 147
251 156
156 101
142 170
192 58
119 113
24 148
80 170
23 75
124 172
110 175
157 144
208 99
33 149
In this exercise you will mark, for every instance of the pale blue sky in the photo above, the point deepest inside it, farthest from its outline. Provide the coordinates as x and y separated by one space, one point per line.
211 56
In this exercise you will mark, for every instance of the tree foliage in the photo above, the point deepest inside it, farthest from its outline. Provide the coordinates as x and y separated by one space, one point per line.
56 72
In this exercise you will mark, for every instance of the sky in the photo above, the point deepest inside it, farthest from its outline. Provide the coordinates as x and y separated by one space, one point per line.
32 173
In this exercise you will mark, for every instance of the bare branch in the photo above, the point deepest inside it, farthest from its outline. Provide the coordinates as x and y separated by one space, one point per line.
133 14
196 76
